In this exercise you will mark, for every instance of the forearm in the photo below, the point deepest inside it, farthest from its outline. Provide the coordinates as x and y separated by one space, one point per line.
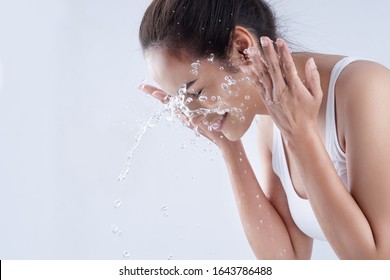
264 228
340 217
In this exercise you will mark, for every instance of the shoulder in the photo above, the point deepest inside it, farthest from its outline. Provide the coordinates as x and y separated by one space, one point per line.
363 76
363 94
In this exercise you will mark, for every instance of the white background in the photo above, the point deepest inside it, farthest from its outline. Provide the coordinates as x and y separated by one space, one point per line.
69 112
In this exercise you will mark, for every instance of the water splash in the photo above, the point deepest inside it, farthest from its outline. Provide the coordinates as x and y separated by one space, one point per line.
176 107
126 254
152 122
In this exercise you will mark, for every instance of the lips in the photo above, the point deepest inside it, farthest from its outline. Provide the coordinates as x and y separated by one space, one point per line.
217 124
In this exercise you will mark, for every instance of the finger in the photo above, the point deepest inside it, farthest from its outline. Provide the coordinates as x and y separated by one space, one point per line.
313 79
260 68
254 79
288 65
155 92
273 64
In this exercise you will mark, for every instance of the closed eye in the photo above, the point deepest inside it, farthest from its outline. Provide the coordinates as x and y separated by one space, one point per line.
196 94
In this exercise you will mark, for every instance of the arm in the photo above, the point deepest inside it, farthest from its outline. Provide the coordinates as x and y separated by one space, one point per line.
357 224
268 224
266 219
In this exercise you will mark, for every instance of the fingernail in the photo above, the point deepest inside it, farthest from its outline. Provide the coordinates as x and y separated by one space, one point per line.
279 42
159 95
312 64
264 41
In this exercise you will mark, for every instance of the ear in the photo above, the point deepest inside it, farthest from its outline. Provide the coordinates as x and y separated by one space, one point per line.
242 40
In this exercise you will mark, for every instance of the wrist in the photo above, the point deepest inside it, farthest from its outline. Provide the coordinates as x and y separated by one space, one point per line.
302 139
231 148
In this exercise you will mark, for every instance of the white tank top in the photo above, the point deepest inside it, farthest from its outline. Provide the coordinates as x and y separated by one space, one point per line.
300 209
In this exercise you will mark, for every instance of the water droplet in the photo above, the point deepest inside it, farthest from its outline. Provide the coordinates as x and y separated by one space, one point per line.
242 119
241 159
195 65
170 257
183 146
260 206
114 228
247 97
211 58
224 86
194 72
261 221
117 203
189 100
257 196
213 98
203 98
164 210
230 80
126 254
182 90
120 233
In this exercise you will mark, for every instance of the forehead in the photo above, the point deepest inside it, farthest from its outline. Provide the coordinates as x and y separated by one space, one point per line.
171 71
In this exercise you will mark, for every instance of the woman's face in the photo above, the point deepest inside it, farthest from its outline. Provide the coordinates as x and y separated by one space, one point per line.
230 100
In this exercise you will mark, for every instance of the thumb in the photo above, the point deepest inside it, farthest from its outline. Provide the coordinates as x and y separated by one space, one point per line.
313 79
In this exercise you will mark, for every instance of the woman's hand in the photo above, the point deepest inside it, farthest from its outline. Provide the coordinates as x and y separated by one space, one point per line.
293 106
194 122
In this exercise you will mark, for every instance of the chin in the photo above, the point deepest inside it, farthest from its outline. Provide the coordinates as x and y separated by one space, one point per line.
234 135
235 132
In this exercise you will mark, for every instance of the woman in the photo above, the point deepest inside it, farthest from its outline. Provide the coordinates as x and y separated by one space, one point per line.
323 124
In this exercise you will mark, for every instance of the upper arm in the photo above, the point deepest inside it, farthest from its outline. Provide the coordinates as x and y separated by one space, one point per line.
273 189
367 137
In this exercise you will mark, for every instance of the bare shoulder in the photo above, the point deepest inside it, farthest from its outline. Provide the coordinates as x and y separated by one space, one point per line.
363 90
363 79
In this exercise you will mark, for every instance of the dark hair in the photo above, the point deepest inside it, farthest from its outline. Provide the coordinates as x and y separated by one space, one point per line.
202 27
